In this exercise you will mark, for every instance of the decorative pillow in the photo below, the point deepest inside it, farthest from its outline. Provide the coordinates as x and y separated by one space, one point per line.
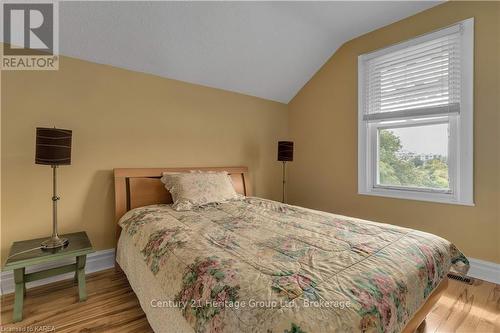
196 189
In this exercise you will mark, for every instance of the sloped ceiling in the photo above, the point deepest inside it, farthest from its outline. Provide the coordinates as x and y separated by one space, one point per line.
264 49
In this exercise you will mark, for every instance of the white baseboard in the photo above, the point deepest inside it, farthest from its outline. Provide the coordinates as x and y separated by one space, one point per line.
97 261
484 270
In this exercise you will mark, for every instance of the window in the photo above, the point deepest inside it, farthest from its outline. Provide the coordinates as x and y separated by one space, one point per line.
415 118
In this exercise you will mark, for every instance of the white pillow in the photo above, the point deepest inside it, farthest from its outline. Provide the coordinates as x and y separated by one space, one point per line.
195 189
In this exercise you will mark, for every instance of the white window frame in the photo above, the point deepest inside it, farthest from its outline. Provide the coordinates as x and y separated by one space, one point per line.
460 145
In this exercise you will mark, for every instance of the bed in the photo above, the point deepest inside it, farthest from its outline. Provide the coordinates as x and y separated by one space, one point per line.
255 265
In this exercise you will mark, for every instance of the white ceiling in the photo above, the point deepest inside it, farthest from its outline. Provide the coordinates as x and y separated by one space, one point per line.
264 49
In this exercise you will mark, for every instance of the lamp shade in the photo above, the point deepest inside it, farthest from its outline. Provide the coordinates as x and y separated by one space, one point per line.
285 151
53 146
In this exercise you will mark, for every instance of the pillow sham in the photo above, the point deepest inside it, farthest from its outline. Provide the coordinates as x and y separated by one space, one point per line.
196 189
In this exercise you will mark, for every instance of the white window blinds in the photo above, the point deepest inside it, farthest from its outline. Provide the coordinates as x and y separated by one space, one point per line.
420 79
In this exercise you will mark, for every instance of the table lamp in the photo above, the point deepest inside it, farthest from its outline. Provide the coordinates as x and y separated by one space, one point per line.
53 147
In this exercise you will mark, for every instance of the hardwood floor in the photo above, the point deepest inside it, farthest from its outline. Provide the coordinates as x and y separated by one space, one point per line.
113 307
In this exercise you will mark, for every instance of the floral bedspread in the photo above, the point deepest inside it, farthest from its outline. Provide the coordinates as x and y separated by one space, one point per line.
256 265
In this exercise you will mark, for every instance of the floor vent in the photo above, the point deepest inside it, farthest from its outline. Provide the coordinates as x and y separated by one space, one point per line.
464 279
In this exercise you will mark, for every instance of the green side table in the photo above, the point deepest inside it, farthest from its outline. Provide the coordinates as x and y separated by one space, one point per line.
24 254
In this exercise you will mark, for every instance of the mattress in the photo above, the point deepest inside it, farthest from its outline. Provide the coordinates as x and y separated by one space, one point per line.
255 265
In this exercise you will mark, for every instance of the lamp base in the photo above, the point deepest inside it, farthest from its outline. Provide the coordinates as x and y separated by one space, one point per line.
54 242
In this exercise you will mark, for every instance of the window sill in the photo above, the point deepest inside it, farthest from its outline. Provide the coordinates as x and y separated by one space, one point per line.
416 195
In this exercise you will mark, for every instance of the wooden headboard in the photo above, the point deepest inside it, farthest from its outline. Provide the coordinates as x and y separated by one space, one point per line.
137 187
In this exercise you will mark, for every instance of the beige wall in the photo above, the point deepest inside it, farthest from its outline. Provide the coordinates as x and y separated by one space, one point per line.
121 119
323 124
